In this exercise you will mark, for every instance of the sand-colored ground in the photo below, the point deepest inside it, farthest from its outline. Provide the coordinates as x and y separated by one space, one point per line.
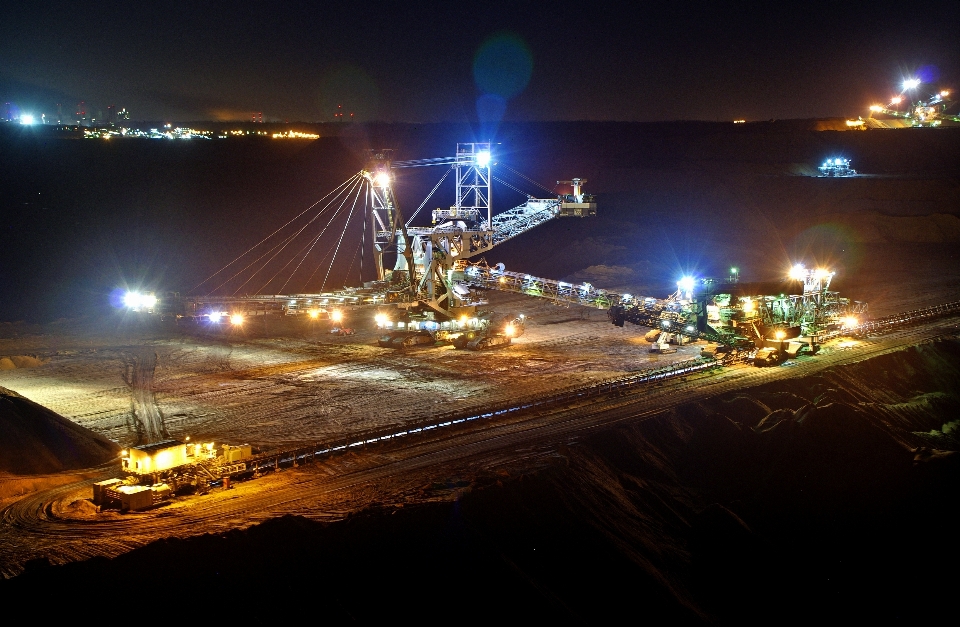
300 384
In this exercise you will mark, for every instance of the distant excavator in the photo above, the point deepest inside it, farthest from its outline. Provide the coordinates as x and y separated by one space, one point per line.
928 113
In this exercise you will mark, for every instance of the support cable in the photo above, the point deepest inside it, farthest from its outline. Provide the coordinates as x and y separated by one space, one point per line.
429 196
309 244
528 179
333 191
339 242
314 243
505 184
283 244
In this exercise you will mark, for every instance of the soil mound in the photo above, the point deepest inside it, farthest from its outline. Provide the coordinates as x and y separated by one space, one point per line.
36 440
19 361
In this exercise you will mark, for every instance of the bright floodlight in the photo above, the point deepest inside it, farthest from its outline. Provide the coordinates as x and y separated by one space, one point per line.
27 119
686 283
780 335
797 272
876 108
850 322
313 313
380 319
896 100
944 93
336 315
214 316
236 319
382 179
483 158
821 273
911 83
131 299
509 331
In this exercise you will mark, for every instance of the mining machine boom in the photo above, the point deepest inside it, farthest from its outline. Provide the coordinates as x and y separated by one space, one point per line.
425 293
739 318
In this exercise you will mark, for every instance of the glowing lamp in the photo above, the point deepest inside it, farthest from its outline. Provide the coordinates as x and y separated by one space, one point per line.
748 305
896 100
382 179
27 119
780 335
236 319
820 273
380 319
850 322
797 272
509 330
944 93
686 283
876 108
911 83
336 315
131 299
314 313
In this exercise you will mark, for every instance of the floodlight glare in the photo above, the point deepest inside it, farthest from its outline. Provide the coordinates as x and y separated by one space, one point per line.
896 100
780 335
911 83
27 119
797 272
483 158
148 300
336 315
876 108
850 322
686 283
382 179
236 319
944 93
131 299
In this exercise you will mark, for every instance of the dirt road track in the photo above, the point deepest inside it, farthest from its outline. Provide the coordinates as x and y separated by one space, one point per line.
40 525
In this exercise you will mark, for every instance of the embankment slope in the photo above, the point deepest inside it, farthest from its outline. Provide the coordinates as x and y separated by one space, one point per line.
35 440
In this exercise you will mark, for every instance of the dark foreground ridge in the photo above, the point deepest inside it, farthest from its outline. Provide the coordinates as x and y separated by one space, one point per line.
827 496
35 440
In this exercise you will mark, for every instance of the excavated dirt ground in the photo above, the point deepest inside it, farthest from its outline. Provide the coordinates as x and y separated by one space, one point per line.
309 386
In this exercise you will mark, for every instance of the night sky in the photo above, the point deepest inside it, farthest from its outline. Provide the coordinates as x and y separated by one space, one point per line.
457 62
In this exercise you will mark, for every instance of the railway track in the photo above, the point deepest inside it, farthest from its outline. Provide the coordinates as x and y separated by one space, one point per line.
35 525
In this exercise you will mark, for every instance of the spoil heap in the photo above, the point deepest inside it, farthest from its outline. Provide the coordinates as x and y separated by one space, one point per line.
36 440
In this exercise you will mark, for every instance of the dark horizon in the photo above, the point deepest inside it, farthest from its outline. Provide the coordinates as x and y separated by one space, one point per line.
436 62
